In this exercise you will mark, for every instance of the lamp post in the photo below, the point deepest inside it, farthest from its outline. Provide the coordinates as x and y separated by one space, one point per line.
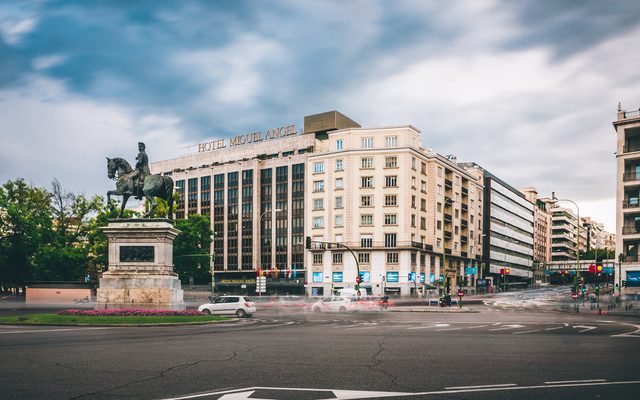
553 197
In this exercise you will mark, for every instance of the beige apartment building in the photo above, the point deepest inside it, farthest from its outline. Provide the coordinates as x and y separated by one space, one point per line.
627 126
403 209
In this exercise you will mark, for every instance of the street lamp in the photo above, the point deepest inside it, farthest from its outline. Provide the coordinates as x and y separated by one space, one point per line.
553 197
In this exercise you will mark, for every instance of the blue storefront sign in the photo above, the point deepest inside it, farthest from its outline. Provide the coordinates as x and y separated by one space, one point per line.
421 278
337 276
365 276
392 276
412 276
317 276
470 270
432 278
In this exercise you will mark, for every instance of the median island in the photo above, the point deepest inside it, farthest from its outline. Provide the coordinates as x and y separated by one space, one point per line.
117 316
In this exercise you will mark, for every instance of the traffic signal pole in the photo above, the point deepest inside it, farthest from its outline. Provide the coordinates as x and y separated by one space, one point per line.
308 247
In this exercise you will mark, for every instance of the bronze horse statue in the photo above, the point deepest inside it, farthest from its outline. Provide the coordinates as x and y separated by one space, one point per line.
154 186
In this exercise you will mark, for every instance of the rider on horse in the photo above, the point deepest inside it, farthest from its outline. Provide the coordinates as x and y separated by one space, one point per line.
136 179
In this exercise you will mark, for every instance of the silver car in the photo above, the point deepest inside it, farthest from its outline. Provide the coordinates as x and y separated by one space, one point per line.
241 306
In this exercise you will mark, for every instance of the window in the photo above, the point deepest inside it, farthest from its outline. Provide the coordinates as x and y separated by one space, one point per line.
390 219
318 222
337 258
339 202
439 225
339 183
317 258
366 219
389 240
366 241
423 168
423 186
318 186
339 144
339 220
367 142
392 258
392 141
438 242
366 201
413 201
364 258
439 172
318 204
423 205
391 200
439 189
413 163
413 182
366 181
391 181
439 207
414 258
391 162
366 162
318 167
423 223
339 165
413 220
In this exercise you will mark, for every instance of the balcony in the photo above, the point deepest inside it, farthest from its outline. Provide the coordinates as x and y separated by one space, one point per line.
631 203
447 218
630 230
631 176
465 191
464 207
464 239
447 183
447 235
631 259
631 146
464 223
464 254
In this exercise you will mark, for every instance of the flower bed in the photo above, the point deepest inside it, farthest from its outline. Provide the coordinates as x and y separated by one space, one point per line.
131 312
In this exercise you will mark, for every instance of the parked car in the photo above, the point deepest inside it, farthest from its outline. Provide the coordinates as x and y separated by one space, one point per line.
333 304
241 306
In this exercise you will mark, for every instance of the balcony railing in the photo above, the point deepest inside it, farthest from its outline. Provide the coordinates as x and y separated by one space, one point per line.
630 230
630 259
464 207
465 190
630 114
631 176
631 146
631 203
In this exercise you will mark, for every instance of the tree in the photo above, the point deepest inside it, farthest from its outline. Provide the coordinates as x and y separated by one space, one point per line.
191 249
600 254
25 225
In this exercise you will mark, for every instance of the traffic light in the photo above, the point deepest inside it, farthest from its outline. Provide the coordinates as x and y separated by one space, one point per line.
501 271
599 268
624 283
308 243
507 271
358 279
592 269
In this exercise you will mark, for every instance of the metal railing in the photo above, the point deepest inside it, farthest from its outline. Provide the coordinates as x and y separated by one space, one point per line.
634 113
631 146
630 204
631 176
629 230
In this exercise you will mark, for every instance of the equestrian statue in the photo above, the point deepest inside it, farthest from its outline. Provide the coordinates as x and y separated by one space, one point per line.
139 183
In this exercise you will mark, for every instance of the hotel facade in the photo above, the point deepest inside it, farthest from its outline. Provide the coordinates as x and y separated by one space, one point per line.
374 202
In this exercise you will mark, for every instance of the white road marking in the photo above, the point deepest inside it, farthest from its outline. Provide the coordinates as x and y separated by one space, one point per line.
635 333
554 328
534 330
481 386
585 328
512 326
479 326
578 381
421 327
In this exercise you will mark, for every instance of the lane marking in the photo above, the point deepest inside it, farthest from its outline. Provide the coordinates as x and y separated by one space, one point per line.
479 326
534 330
450 329
554 328
578 381
585 328
630 334
512 326
481 386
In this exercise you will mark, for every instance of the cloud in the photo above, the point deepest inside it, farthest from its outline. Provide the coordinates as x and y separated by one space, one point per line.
53 134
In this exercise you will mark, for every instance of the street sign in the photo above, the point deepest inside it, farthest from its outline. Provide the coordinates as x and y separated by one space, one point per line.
460 293
574 295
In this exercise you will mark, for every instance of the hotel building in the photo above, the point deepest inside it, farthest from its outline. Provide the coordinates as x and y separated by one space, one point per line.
399 211
627 128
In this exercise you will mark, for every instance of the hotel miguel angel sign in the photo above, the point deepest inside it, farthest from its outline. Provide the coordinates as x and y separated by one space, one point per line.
255 137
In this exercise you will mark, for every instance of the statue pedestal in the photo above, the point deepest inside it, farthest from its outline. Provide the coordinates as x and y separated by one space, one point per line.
140 273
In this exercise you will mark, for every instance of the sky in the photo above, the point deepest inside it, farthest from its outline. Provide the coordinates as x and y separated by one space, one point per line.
526 89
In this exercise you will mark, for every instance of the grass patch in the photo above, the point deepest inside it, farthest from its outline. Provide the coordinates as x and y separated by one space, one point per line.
35 319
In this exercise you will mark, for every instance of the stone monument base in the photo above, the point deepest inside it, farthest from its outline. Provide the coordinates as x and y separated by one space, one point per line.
140 271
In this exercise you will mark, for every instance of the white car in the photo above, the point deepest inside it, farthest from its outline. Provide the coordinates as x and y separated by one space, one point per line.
241 306
333 304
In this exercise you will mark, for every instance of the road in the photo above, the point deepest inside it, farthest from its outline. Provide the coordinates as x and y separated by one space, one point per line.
498 353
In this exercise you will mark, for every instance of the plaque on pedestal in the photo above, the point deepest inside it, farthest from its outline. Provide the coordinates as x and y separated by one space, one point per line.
140 273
